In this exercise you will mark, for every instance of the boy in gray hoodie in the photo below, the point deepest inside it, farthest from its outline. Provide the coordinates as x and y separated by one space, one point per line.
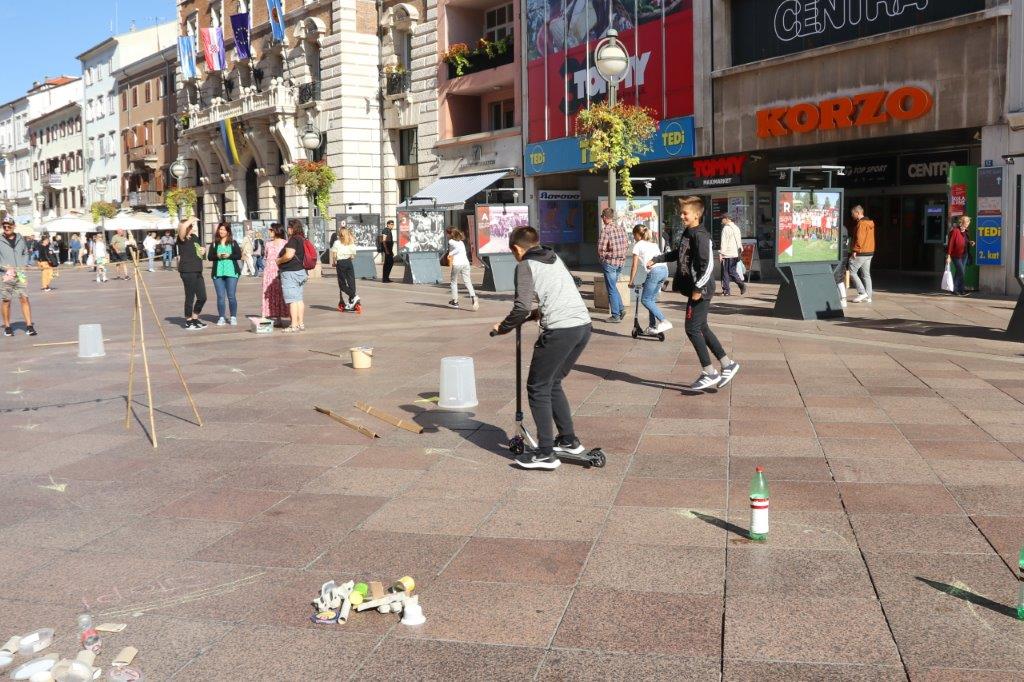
565 331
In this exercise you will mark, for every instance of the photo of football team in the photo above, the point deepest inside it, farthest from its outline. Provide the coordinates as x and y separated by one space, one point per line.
808 226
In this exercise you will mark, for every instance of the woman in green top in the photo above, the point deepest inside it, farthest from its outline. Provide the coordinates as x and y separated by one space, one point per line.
225 253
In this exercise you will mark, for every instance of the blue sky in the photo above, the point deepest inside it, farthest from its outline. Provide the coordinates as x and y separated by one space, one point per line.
44 37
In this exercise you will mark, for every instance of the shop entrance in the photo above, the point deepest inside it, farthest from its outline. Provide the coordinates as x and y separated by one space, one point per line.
910 228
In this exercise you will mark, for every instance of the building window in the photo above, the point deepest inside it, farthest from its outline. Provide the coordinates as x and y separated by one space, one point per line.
406 189
503 114
149 93
161 87
135 97
407 151
110 103
78 124
499 22
403 49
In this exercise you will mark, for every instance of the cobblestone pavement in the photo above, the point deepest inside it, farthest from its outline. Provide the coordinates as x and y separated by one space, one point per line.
892 442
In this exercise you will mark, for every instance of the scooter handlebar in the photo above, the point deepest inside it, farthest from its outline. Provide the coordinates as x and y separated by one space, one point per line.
493 333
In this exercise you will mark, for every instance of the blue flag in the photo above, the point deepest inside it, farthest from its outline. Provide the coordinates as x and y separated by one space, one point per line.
276 12
187 57
240 28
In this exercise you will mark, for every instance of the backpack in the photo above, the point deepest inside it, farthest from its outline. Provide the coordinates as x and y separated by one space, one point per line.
309 255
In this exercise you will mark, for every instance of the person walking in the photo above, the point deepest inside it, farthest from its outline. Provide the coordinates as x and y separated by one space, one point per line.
14 257
459 262
861 253
44 262
167 245
149 244
644 250
119 254
100 257
273 298
293 275
259 249
730 248
342 255
611 250
190 270
957 244
696 273
386 246
248 264
74 248
224 253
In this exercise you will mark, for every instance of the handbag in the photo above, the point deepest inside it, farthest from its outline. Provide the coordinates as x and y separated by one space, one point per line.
445 259
947 280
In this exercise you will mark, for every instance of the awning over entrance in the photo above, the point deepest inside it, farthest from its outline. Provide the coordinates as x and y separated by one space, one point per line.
453 191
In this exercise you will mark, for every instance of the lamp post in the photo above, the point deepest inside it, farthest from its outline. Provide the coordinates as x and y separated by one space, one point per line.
101 190
612 62
311 140
179 170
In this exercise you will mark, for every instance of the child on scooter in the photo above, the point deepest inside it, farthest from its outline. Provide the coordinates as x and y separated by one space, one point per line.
565 330
644 250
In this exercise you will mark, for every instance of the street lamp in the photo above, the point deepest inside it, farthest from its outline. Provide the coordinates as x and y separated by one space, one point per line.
612 62
311 140
101 190
179 170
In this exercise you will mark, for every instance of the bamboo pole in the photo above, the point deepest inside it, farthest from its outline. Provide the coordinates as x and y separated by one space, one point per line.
324 352
59 343
390 419
347 422
145 363
131 362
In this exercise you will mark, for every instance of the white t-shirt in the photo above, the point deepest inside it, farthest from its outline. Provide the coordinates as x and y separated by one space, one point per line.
99 249
647 250
343 251
457 253
149 244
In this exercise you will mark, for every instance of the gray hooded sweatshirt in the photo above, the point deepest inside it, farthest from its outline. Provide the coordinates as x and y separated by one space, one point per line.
542 275
13 256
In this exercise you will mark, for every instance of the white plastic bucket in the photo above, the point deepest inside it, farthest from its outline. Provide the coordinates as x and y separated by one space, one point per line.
458 384
362 357
90 341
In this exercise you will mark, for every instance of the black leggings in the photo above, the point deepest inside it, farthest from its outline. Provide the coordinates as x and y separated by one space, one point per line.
700 333
346 280
195 292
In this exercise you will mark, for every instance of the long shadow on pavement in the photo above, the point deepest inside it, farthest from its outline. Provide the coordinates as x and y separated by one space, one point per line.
970 597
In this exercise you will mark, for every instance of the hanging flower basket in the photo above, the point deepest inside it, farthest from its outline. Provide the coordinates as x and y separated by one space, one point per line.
616 137
180 196
317 178
102 209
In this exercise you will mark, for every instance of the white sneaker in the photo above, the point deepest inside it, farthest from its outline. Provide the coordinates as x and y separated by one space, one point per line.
842 302
651 331
233 321
861 298
663 326
221 322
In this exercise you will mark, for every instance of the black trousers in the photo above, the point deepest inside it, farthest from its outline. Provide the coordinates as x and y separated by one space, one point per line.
389 262
346 280
699 333
195 292
554 355
729 274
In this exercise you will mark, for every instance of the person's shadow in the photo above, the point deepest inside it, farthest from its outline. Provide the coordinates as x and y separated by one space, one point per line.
481 434
615 375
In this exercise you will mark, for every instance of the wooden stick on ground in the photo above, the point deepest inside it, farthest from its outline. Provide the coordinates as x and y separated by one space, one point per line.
390 419
324 352
59 343
347 422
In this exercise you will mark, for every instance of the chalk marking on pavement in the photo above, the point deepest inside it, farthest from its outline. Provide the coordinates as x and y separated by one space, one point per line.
59 487
448 453
214 591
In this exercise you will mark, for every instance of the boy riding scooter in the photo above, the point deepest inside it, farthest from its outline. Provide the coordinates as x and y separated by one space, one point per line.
565 331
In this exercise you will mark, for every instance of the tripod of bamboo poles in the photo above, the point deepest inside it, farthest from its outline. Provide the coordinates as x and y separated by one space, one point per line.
139 334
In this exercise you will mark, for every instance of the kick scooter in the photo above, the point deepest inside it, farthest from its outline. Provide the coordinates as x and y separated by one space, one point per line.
523 439
637 330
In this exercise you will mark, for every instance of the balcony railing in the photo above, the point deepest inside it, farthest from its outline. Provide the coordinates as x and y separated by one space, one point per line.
309 92
480 61
144 198
397 83
277 99
142 153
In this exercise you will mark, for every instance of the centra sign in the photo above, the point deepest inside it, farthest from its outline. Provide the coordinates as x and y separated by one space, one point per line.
864 109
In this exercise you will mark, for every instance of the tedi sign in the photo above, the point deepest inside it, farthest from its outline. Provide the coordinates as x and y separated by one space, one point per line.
863 109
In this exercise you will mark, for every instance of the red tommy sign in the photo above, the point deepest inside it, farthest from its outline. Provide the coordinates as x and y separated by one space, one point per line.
720 170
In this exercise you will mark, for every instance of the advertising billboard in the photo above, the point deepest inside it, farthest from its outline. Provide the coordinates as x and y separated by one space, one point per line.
494 224
630 213
561 216
807 228
990 216
561 36
762 29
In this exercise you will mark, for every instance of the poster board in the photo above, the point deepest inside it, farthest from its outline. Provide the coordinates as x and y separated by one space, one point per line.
749 256
561 217
420 231
990 216
629 213
807 228
365 227
495 222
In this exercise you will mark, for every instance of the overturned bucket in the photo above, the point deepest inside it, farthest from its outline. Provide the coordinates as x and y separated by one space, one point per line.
458 384
362 357
90 341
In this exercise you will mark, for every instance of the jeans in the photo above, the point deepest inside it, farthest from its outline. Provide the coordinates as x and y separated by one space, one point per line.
699 333
195 292
729 274
649 296
959 269
226 287
151 255
554 355
259 265
611 283
346 280
463 271
860 274
168 255
73 256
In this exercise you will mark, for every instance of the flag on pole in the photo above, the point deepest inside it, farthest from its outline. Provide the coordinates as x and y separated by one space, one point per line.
213 48
228 135
240 29
276 19
187 57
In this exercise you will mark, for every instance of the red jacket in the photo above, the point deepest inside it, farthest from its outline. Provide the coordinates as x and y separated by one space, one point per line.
956 246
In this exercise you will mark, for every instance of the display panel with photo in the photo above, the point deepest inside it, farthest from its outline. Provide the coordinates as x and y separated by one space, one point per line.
421 231
561 216
494 224
807 225
364 227
637 211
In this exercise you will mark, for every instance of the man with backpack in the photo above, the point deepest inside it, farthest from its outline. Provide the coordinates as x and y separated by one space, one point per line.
297 257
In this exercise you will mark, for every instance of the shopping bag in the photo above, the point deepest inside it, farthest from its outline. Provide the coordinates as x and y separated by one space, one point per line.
741 271
947 280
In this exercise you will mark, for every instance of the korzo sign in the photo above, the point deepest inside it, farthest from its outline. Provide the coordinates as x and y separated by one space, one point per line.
864 109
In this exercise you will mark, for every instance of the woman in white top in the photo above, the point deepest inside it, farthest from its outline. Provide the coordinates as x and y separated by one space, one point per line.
459 262
729 250
100 257
644 250
343 251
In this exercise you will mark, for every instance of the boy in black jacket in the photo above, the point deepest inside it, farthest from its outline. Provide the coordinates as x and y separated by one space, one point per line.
696 271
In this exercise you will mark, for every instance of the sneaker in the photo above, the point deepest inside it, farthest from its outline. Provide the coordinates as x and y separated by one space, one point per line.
743 289
453 304
651 331
31 330
190 325
8 331
663 326
728 373
706 381
233 321
221 322
614 319
199 324
537 460
861 298
476 303
842 302
569 445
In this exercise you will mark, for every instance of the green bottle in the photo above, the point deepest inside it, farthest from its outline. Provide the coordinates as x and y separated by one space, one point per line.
1020 583
759 506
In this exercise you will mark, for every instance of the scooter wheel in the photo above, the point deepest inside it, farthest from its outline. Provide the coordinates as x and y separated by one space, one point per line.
597 459
661 337
635 333
517 446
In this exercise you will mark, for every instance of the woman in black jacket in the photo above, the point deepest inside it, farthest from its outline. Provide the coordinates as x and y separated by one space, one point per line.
225 253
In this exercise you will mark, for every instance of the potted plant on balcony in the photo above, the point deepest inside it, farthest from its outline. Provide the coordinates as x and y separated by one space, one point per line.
102 209
316 177
616 137
180 196
457 56
183 121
